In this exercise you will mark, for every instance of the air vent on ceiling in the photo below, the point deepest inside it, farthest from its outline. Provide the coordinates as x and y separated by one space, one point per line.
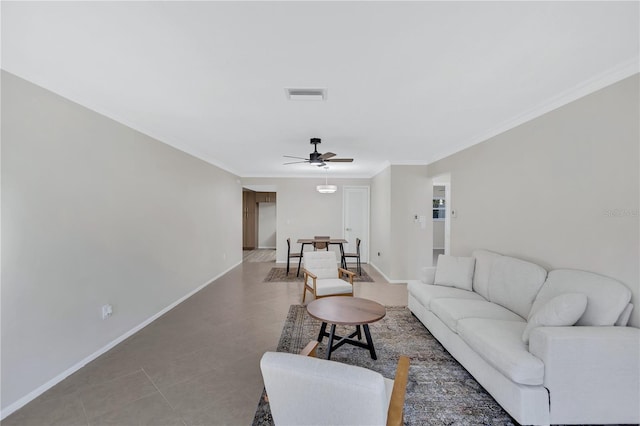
306 94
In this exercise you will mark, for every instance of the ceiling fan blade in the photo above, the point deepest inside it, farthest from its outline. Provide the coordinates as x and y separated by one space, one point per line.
299 158
295 162
340 160
326 155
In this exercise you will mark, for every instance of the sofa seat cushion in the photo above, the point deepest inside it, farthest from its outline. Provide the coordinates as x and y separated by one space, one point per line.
425 293
500 344
450 311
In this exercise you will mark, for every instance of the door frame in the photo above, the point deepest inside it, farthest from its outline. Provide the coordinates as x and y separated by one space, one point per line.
364 254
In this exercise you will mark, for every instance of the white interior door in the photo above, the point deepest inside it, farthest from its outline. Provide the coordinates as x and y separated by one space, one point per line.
356 219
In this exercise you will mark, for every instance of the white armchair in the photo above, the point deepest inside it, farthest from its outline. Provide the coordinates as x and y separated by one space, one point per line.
303 390
322 277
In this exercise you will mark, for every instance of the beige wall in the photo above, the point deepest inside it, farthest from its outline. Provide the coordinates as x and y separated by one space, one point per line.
399 194
94 212
411 242
381 221
561 190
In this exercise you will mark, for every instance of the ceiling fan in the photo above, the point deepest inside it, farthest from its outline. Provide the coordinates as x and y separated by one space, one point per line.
319 159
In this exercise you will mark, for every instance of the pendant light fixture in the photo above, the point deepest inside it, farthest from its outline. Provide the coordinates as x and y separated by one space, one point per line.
326 188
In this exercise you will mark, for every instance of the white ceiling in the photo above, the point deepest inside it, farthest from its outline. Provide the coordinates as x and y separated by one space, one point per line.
408 82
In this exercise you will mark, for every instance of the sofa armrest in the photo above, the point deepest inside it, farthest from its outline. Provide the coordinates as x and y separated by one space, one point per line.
428 275
591 372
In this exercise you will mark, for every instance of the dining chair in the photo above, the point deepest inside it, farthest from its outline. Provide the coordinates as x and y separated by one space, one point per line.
322 277
292 255
307 390
323 245
355 255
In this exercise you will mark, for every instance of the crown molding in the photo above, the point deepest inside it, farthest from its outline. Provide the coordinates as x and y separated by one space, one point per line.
611 76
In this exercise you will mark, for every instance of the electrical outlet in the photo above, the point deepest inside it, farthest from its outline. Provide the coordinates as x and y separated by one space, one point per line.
107 311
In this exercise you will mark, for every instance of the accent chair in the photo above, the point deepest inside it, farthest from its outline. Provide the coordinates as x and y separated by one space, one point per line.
303 390
322 276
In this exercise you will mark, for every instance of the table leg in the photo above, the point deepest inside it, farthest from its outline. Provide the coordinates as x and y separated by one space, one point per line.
358 334
372 350
330 344
323 332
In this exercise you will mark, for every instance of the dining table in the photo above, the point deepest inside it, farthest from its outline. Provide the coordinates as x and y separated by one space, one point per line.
338 241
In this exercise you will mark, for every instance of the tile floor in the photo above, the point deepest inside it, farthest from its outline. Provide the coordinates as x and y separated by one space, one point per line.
196 365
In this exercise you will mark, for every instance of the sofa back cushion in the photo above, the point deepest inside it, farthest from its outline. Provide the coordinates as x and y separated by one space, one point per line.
623 319
514 284
484 262
606 297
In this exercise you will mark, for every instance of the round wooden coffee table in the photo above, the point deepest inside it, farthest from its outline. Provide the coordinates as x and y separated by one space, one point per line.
346 311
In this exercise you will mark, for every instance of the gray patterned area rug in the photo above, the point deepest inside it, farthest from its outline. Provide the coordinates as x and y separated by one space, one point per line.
439 392
280 275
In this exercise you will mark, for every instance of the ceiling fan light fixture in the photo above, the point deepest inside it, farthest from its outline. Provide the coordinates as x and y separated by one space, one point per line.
308 94
318 159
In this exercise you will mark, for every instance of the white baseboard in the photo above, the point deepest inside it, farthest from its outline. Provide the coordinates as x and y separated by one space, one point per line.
387 278
60 377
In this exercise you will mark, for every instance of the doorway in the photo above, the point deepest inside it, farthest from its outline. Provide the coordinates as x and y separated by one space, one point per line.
259 223
355 213
441 216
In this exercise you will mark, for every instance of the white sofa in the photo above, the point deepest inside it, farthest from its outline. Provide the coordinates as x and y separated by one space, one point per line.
479 309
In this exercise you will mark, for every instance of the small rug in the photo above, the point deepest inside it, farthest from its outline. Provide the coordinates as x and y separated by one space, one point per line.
280 275
439 392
